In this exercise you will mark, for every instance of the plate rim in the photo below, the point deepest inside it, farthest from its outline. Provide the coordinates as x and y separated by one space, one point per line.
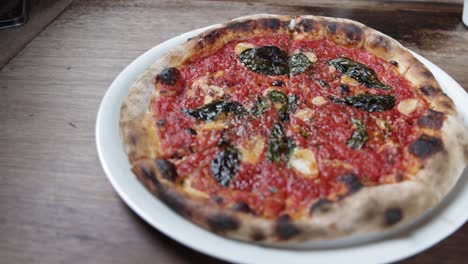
139 65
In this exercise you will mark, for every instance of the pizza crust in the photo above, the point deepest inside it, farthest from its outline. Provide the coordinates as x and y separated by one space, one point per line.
363 210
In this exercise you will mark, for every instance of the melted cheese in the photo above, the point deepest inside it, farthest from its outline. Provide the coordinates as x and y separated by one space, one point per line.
303 161
345 79
218 124
305 114
311 56
319 101
407 106
251 149
243 46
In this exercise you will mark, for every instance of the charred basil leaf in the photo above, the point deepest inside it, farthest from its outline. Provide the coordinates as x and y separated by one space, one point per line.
359 72
279 145
277 97
299 63
225 165
289 149
359 136
322 83
212 110
259 107
368 102
292 103
286 104
268 60
276 143
283 114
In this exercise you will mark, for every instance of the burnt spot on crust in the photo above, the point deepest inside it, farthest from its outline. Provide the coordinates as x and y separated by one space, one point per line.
393 216
322 205
425 146
217 199
331 27
307 25
167 169
211 36
147 172
352 32
257 235
169 76
241 207
174 201
220 223
394 63
431 119
380 42
352 181
169 197
241 26
271 23
133 139
285 228
428 90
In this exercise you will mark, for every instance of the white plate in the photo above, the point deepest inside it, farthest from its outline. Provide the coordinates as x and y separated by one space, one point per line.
447 218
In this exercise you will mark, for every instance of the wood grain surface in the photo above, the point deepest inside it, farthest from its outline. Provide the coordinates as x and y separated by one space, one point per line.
56 205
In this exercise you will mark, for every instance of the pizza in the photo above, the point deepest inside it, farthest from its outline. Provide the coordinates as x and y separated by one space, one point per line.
280 130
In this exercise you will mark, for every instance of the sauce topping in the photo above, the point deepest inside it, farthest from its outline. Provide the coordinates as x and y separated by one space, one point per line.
279 138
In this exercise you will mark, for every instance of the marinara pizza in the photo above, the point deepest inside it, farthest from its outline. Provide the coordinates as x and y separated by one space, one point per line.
280 130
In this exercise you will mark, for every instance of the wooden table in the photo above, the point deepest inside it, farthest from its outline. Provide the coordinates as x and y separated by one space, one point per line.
56 205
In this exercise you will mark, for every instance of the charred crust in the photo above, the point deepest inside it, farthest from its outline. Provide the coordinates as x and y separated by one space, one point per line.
428 90
257 235
217 199
432 119
393 216
425 146
307 25
380 42
220 223
285 229
169 76
322 205
270 23
394 63
147 172
166 169
211 36
241 26
352 181
175 201
331 27
161 123
352 32
241 207
133 139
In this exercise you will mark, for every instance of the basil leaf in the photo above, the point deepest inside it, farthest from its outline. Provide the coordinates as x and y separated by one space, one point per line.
359 136
359 72
292 103
212 110
259 107
299 63
277 97
368 102
225 165
268 60
279 145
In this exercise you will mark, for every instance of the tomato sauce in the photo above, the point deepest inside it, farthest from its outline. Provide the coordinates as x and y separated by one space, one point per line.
271 188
